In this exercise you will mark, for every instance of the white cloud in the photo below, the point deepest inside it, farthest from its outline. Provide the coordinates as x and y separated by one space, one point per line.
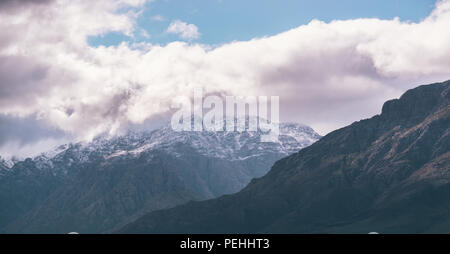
326 74
184 30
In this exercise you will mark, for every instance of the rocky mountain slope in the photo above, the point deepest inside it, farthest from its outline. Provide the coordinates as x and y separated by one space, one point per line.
101 185
389 174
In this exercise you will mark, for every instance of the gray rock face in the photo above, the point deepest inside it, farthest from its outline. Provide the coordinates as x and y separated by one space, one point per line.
102 185
387 174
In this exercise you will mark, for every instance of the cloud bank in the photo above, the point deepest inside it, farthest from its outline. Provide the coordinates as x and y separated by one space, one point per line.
326 74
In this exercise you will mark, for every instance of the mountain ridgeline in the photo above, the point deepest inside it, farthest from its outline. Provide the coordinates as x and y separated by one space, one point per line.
102 185
389 174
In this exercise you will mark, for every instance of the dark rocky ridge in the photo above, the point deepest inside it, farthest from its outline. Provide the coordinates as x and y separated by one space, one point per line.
389 174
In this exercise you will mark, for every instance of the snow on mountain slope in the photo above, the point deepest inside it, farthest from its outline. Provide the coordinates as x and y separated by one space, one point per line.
225 145
229 146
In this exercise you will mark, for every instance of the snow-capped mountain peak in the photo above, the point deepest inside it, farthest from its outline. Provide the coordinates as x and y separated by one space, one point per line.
224 145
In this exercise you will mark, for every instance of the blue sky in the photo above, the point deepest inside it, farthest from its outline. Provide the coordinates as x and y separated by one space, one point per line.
222 21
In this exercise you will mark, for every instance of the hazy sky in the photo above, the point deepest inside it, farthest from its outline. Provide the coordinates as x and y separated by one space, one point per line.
74 69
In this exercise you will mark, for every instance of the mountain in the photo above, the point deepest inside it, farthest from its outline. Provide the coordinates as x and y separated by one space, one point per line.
3 166
389 174
102 185
23 187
